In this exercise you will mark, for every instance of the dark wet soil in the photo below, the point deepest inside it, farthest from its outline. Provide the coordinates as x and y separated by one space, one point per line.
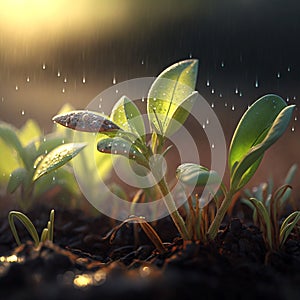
80 264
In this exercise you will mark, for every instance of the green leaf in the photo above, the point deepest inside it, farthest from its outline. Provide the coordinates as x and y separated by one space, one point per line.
181 113
196 175
288 225
128 117
17 177
122 147
168 91
259 128
57 158
8 134
86 121
29 132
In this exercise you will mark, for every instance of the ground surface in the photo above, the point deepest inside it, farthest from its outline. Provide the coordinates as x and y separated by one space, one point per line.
232 267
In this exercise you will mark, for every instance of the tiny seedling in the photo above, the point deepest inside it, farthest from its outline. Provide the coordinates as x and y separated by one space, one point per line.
47 232
260 127
31 155
268 207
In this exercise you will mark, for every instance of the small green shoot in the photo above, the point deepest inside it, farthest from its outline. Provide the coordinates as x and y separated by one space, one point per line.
47 232
268 207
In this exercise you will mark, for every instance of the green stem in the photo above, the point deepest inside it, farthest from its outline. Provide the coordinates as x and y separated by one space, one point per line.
215 225
171 206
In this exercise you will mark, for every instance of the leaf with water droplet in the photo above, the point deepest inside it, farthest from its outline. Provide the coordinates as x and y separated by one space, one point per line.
196 175
57 158
259 128
87 121
168 91
128 117
119 146
17 177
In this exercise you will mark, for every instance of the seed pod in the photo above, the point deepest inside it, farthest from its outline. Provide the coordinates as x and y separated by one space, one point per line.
83 120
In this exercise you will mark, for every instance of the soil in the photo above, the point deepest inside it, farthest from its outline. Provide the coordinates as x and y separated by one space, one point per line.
82 264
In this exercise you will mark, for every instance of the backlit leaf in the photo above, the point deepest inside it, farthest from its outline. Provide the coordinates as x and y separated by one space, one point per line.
57 158
168 91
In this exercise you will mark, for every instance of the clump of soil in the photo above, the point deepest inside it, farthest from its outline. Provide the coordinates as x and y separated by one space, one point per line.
81 264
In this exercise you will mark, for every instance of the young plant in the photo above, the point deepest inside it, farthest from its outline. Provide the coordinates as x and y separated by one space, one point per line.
260 127
29 155
47 232
169 102
268 207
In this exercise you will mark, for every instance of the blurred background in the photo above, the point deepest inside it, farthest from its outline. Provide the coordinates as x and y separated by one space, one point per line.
54 52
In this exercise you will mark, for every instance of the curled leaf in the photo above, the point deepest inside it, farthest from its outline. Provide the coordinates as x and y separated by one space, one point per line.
196 175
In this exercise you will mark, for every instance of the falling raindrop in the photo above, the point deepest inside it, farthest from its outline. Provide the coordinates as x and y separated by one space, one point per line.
207 82
295 119
27 79
114 81
83 80
190 56
65 79
58 73
222 64
289 69
293 129
212 91
213 146
2 99
53 178
287 99
240 94
17 88
203 126
256 84
236 91
232 107
63 90
117 91
212 105
278 75
143 99
143 62
22 112
207 121
220 95
225 104
44 66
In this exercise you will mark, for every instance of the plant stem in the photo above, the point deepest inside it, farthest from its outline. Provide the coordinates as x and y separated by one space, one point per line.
171 206
215 225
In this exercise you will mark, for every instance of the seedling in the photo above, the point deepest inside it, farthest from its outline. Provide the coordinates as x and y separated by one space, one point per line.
268 208
170 100
47 232
28 155
260 127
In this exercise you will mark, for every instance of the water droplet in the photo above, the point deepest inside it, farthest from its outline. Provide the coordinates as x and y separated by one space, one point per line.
240 94
83 79
114 81
142 61
212 105
65 79
190 56
212 91
63 90
53 178
27 79
256 84
22 112
236 91
203 126
100 105
44 66
117 91
293 129
220 95
143 99
287 99
278 75
225 104
222 64
295 118
207 121
17 88
207 82
58 73
289 69
44 139
232 107
46 151
213 146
